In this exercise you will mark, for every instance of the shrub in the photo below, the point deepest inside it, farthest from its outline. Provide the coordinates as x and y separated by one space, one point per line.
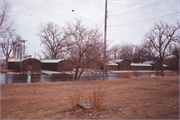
125 75
153 75
175 73
75 99
97 99
144 76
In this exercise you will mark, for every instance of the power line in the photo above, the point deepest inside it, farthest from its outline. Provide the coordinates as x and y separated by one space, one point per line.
139 9
99 22
99 26
146 20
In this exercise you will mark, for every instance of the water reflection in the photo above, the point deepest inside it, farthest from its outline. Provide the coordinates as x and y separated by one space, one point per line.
17 78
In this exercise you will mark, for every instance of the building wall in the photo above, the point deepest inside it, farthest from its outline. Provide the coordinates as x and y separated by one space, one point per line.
112 67
64 65
156 66
31 64
124 65
146 67
14 66
49 66
28 64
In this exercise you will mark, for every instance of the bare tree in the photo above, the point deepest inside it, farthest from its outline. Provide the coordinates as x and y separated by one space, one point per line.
83 46
115 51
134 53
52 38
159 38
8 42
174 49
141 53
126 51
173 61
5 23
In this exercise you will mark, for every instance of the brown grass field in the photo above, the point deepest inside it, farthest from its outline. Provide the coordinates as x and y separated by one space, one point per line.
134 98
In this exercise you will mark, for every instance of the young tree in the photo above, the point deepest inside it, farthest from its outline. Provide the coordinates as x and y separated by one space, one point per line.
159 38
83 46
52 38
8 42
5 23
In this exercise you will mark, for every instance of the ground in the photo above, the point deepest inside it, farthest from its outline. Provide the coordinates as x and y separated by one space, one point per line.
134 98
4 70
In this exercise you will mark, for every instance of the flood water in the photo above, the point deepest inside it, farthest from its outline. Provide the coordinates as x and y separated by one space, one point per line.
17 78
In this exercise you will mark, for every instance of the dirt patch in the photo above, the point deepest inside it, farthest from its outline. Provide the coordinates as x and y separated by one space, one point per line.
134 98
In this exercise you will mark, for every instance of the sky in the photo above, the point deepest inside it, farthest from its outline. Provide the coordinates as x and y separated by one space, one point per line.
128 20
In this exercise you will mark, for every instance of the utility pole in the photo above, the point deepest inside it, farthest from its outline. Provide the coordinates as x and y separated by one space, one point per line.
104 68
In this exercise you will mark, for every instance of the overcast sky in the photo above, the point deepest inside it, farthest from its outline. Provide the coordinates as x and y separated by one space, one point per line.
128 20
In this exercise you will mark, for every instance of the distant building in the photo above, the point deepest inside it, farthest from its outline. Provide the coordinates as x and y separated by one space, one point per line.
26 64
124 64
141 66
112 66
156 65
56 65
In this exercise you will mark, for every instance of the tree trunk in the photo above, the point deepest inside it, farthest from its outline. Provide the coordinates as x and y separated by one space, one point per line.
81 73
7 62
76 74
161 67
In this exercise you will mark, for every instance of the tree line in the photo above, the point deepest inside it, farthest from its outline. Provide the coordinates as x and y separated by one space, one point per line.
161 44
83 46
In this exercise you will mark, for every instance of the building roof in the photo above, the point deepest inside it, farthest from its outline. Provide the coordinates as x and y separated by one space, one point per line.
51 61
151 62
110 63
20 60
148 62
140 64
117 61
15 60
165 65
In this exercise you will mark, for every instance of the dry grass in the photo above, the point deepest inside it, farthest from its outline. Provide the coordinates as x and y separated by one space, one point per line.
134 98
98 98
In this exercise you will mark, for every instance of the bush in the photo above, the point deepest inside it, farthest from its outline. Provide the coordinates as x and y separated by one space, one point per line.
175 73
144 76
75 99
125 75
98 98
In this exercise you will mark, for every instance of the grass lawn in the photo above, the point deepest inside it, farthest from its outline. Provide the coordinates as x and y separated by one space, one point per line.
134 98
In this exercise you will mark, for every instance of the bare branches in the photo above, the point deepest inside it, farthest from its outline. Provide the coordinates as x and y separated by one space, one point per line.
83 45
5 23
160 37
8 42
52 38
